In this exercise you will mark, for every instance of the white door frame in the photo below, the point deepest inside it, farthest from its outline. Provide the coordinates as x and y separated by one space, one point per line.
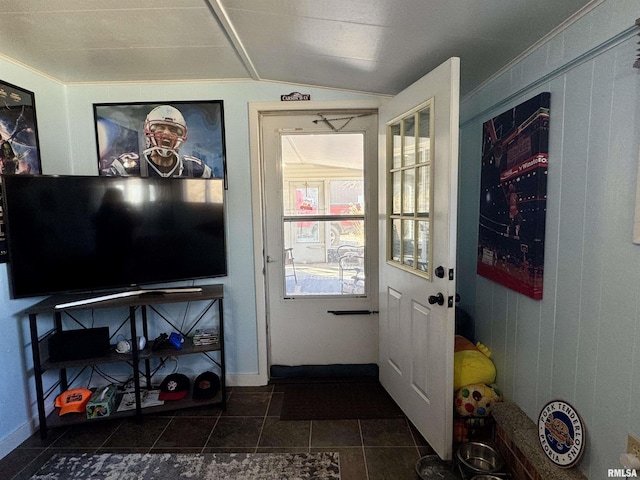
255 110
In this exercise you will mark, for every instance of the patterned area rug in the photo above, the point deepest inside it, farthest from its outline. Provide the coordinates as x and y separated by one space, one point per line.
207 466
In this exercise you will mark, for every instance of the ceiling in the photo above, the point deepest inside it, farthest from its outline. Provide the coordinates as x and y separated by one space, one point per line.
377 46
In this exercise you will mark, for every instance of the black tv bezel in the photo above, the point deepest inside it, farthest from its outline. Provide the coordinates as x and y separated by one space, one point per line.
167 284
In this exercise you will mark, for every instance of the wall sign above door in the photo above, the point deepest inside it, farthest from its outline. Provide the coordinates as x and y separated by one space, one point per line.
295 97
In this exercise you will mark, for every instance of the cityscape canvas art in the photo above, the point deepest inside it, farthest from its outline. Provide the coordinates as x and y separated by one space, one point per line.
513 196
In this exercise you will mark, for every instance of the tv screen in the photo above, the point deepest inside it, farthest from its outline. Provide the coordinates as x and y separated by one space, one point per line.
85 234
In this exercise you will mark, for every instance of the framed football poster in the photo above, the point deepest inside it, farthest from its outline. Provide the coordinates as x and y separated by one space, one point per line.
168 139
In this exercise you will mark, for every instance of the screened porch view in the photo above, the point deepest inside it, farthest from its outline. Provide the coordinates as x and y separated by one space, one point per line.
323 214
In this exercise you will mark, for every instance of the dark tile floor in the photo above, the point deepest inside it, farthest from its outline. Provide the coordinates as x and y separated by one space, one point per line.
370 449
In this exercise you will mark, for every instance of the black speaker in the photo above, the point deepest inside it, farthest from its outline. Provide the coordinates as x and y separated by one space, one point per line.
79 344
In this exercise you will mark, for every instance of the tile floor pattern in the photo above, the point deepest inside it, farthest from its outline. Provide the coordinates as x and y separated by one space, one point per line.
370 449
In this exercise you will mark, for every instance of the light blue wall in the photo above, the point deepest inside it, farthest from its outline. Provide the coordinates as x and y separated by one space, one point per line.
581 343
16 401
67 142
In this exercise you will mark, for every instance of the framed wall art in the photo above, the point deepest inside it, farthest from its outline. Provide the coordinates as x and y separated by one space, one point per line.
168 139
19 145
513 196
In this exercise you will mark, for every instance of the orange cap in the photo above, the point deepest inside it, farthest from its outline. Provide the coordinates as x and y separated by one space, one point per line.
74 400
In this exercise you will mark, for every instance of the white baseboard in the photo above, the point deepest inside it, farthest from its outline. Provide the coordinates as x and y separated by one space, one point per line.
246 380
15 439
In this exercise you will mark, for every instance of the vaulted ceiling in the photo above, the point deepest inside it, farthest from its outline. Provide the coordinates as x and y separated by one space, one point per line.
377 46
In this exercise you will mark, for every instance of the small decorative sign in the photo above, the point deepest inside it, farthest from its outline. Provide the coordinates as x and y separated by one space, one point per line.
295 97
561 433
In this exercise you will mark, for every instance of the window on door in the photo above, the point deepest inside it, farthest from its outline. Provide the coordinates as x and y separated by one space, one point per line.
410 177
324 214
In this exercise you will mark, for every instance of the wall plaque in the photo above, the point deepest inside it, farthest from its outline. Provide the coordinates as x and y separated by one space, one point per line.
561 433
295 97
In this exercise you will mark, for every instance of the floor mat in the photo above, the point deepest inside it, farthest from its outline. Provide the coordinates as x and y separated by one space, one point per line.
340 400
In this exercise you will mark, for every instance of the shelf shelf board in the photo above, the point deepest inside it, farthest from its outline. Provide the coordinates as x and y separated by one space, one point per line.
208 292
115 357
146 299
55 420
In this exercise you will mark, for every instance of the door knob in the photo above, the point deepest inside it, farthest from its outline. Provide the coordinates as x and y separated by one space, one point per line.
439 271
438 298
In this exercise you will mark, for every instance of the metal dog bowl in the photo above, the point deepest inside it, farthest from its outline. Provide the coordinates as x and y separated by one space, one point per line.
478 457
430 467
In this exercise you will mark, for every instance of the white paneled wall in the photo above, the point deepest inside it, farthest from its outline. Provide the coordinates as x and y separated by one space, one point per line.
581 342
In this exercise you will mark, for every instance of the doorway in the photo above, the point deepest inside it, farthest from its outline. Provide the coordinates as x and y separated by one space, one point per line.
416 290
318 177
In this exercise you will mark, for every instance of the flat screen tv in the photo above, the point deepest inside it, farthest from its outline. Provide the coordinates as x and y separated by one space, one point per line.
68 234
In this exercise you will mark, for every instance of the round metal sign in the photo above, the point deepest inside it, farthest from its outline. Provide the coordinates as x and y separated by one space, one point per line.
561 433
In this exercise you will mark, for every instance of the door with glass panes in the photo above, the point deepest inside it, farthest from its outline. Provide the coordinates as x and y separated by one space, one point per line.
418 221
319 171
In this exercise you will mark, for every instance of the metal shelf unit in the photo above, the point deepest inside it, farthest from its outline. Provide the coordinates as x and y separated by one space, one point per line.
138 305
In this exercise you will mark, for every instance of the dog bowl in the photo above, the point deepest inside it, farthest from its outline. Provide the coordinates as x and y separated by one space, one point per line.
486 477
430 467
479 457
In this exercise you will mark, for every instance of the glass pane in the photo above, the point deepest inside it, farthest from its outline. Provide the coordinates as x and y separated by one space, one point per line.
302 233
306 200
323 176
341 271
346 232
424 141
408 191
409 141
395 240
411 186
307 232
397 193
346 196
396 146
407 242
422 185
423 246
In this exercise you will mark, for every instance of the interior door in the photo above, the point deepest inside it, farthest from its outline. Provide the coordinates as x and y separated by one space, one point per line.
319 172
418 175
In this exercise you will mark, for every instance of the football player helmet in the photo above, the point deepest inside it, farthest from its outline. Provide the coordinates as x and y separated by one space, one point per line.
165 130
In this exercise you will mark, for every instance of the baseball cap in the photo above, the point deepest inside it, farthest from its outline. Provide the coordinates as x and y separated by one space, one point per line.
206 386
74 400
174 387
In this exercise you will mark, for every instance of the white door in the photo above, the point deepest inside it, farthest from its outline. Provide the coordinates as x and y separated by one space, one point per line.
418 179
319 171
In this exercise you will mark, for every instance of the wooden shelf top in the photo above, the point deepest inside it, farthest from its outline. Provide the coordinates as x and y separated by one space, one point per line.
144 297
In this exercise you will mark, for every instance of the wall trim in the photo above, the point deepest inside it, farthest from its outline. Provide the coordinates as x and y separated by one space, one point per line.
15 438
614 41
256 109
559 29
